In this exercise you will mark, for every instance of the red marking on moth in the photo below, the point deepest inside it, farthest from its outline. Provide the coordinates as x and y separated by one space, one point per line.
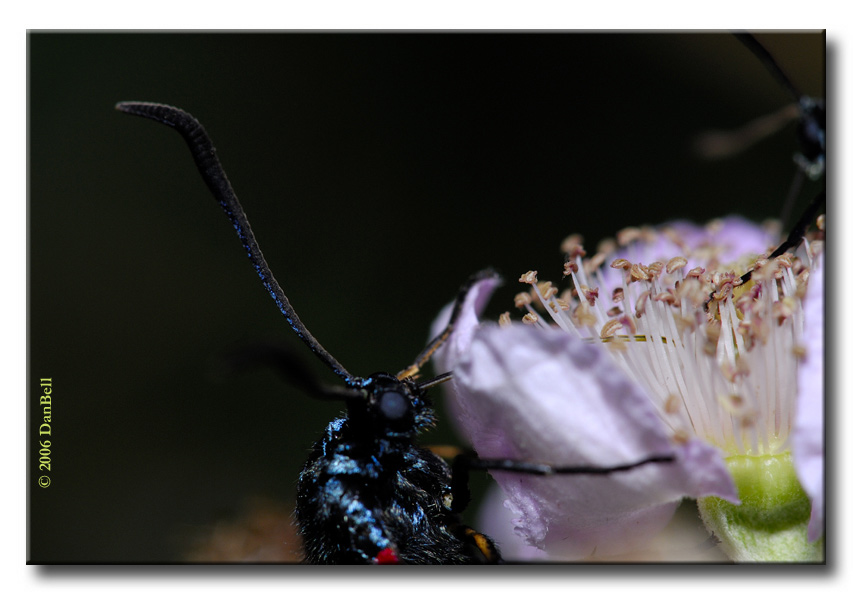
387 556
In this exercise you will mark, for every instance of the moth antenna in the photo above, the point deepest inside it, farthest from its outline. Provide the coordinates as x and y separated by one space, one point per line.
441 378
439 340
204 155
760 52
811 128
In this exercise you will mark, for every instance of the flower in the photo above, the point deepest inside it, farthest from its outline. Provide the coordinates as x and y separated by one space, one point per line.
675 357
808 428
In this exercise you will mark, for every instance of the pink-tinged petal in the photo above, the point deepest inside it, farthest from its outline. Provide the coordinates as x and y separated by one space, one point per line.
734 237
469 319
808 426
533 395
496 520
444 359
730 237
684 539
740 236
727 240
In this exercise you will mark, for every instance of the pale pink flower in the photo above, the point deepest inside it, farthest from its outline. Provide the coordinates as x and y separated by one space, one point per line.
634 365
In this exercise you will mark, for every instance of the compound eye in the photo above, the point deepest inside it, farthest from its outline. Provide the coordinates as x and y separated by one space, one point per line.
393 405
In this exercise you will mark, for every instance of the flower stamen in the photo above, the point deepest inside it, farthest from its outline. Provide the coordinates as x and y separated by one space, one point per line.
742 345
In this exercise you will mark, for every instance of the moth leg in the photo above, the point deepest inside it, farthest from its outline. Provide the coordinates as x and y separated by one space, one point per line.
795 237
547 469
465 461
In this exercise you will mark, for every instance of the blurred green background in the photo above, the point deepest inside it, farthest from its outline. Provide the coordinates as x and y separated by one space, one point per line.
378 171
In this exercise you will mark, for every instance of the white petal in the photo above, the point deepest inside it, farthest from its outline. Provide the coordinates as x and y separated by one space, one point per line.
538 396
808 427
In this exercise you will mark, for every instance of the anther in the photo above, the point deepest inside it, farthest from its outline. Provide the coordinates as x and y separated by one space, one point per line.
522 299
530 318
590 294
655 268
609 329
672 404
569 267
584 315
606 246
571 243
593 264
680 437
547 289
785 260
639 272
675 264
628 235
529 277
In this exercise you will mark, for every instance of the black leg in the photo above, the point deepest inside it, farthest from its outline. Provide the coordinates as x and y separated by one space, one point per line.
798 232
464 462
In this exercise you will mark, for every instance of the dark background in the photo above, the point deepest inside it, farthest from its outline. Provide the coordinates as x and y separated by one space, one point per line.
378 171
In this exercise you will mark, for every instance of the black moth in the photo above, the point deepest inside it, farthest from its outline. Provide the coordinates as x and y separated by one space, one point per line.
368 493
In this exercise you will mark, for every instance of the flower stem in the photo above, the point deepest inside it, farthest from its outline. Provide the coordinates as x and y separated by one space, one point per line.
771 523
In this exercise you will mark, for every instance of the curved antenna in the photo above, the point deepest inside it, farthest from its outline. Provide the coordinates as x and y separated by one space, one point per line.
812 126
204 155
769 62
